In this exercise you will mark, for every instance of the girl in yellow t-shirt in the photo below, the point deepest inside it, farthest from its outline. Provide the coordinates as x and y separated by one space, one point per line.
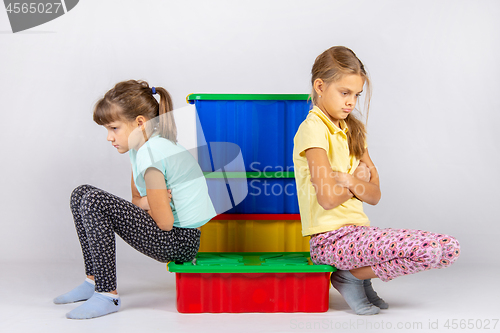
334 175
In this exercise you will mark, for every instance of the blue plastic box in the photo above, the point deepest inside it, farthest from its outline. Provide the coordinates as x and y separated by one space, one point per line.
264 196
262 125
259 129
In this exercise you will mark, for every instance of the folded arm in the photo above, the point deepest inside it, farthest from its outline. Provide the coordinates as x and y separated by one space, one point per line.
364 189
330 193
159 199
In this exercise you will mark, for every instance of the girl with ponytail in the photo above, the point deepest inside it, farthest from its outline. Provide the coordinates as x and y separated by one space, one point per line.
335 175
170 200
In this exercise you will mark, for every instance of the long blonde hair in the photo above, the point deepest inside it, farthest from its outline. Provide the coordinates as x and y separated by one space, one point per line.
331 66
129 99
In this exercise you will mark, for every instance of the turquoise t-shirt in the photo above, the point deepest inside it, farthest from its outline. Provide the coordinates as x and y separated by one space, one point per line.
191 204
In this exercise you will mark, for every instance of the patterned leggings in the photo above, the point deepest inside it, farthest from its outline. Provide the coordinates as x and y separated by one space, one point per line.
99 214
389 252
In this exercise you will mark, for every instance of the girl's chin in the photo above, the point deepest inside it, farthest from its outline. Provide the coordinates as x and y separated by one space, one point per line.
122 150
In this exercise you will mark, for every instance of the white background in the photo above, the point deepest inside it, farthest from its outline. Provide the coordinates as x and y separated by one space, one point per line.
434 67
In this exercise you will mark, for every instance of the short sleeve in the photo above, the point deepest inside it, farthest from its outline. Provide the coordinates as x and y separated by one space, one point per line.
149 158
312 133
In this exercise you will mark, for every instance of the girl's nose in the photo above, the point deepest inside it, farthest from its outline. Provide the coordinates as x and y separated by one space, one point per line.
351 101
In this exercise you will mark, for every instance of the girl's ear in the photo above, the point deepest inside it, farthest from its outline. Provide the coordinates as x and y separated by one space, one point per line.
319 86
140 120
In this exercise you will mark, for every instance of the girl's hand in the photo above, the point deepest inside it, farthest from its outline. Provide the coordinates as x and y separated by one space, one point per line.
342 179
362 172
144 204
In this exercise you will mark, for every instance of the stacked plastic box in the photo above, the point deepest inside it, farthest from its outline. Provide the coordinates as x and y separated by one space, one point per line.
255 248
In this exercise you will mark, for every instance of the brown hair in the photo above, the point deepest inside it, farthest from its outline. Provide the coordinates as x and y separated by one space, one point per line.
130 99
331 66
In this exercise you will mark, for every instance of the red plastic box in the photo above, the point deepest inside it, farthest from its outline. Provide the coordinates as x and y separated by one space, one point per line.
252 282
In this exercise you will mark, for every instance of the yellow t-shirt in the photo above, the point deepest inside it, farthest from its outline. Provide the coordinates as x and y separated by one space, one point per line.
318 131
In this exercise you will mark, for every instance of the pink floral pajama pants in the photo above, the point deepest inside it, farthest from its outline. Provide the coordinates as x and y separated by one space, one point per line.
390 252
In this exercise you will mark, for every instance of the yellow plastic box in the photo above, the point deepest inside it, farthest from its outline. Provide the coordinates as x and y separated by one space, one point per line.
253 235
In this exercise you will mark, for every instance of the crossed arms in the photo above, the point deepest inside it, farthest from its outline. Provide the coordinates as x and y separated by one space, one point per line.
157 199
334 188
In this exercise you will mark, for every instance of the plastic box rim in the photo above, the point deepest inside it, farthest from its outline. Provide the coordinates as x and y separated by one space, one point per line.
246 97
311 268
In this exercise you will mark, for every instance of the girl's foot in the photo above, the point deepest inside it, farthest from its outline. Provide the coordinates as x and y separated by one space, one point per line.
353 291
372 295
99 304
81 293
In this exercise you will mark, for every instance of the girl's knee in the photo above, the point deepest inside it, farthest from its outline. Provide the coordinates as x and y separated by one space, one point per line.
454 242
451 250
440 254
79 191
429 253
439 250
93 200
91 196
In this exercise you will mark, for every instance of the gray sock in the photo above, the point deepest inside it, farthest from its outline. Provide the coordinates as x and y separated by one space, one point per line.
353 291
372 295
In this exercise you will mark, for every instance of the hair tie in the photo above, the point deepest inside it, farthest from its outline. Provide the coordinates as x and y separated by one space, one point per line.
153 90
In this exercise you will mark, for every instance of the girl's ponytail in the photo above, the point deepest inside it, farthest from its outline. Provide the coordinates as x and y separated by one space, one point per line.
166 126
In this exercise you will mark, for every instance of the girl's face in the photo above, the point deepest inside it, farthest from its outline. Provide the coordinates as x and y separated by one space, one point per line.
338 98
118 135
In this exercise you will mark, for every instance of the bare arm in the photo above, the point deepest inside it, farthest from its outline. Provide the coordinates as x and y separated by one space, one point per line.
329 192
158 198
365 190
